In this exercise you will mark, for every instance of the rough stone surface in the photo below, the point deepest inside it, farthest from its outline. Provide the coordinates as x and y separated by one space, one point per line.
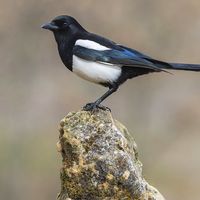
100 160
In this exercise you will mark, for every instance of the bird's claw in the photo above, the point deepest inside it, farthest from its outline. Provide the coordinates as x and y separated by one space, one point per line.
89 106
94 106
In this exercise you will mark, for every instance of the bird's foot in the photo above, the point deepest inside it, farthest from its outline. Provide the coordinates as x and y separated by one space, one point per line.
94 106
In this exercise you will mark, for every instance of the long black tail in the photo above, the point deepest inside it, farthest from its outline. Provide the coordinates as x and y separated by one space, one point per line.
188 67
175 66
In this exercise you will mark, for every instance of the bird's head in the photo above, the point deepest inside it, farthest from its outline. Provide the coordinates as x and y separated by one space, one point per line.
62 23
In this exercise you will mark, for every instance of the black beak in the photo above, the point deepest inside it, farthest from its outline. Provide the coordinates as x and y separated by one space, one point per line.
49 26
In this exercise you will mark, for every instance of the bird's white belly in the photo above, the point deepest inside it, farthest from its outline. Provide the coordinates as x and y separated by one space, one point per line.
95 72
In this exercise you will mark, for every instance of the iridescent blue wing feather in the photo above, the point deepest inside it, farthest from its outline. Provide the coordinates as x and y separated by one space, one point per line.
122 57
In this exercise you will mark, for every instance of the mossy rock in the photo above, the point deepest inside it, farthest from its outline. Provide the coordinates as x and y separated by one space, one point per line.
100 160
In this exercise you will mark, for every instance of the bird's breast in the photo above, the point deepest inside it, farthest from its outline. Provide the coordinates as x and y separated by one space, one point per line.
94 71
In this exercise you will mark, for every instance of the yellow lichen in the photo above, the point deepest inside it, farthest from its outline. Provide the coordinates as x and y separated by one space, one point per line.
58 146
109 176
126 174
103 186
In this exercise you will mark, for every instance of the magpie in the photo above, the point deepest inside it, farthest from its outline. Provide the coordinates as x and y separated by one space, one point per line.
102 61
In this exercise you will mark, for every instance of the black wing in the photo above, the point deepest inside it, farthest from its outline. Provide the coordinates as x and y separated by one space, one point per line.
122 57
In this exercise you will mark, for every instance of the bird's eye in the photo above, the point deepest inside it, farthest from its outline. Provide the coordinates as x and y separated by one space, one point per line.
60 23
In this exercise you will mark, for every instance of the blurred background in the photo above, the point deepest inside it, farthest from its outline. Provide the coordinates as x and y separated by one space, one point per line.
162 111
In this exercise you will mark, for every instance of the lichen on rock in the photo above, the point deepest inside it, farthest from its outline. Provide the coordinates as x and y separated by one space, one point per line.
100 160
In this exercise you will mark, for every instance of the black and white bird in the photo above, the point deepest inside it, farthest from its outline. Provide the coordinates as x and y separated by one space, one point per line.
101 60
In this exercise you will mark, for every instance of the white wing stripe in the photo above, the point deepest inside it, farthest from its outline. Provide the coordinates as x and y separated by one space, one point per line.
91 45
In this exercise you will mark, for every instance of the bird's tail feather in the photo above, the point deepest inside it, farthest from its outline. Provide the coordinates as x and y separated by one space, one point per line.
175 66
188 67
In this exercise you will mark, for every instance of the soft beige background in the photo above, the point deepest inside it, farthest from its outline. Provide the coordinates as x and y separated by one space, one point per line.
36 91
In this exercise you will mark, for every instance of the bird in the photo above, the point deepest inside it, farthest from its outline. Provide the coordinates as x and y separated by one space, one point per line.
101 60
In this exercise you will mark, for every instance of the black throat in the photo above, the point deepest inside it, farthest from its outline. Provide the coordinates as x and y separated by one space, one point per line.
66 41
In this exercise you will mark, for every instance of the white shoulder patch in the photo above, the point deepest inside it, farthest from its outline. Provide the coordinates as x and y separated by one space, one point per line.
91 45
95 72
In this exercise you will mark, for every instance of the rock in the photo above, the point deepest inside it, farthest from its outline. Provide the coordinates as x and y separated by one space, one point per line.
100 160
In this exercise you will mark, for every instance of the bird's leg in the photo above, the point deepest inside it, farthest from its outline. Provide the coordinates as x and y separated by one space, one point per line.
96 104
